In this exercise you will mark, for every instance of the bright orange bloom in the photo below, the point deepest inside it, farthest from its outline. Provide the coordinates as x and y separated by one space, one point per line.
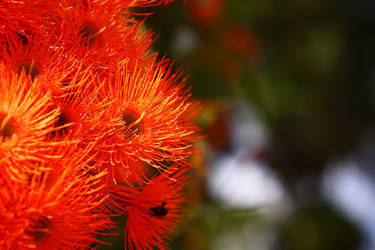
136 172
148 118
87 113
26 117
80 112
101 35
59 209
153 214
36 58
12 23
72 87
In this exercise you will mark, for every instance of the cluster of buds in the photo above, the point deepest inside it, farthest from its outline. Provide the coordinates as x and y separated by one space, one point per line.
92 125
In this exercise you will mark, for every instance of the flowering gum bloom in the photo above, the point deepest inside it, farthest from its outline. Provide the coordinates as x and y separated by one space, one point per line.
91 126
102 34
12 23
80 112
73 88
153 213
148 118
26 117
37 58
62 208
132 173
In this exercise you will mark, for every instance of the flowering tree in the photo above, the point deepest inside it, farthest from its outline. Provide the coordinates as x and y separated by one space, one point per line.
92 125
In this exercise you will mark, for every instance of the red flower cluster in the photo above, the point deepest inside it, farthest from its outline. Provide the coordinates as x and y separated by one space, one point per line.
92 125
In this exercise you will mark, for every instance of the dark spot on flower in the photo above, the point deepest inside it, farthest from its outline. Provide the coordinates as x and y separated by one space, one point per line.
23 38
31 69
62 120
89 34
85 3
132 122
92 245
93 171
159 210
92 163
7 127
38 227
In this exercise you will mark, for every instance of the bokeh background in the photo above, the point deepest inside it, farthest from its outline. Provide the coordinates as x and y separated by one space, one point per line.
288 89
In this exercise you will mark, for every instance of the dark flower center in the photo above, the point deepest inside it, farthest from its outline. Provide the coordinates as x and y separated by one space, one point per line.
159 210
132 122
62 120
38 228
7 127
89 33
30 68
23 38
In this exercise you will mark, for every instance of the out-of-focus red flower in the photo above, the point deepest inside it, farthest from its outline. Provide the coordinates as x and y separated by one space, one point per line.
218 133
216 119
240 51
146 3
240 40
205 12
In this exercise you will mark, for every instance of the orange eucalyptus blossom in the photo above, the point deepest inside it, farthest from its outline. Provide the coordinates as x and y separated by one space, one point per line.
131 173
26 116
101 35
37 57
12 23
148 117
153 213
80 112
73 86
92 125
61 208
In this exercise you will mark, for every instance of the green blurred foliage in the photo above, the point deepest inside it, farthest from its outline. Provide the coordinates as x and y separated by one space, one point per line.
318 226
